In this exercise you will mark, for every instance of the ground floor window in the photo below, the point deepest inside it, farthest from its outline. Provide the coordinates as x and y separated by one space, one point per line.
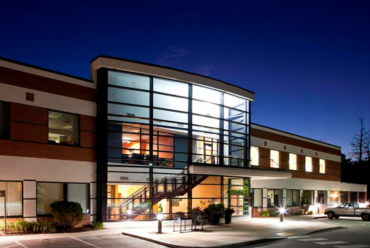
169 191
322 196
292 197
307 198
361 197
343 196
353 196
333 198
48 193
257 198
274 198
13 196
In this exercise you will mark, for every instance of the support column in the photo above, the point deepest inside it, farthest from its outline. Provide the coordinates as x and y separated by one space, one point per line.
315 197
264 199
284 198
29 200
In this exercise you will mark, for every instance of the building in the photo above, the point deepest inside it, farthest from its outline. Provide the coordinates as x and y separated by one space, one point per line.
138 139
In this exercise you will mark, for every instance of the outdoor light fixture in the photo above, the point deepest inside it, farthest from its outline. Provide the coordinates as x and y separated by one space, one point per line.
159 218
282 212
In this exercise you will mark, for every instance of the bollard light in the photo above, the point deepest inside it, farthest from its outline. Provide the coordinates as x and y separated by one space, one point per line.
282 212
159 218
129 212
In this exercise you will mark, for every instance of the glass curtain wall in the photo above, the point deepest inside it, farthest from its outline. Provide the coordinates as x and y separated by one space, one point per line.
155 128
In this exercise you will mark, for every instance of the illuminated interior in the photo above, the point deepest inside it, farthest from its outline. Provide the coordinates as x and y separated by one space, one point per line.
308 164
274 159
292 161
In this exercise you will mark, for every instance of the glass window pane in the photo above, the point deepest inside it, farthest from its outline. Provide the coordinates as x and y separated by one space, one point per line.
128 96
48 193
63 128
235 102
322 166
205 94
292 161
254 156
128 80
79 193
170 102
274 159
205 108
13 196
206 121
257 198
171 87
170 116
308 164
4 120
128 110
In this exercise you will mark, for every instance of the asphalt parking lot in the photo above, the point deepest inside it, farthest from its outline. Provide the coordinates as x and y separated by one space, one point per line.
111 241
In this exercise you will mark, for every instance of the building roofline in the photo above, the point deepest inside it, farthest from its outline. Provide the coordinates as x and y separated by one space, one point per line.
170 68
295 135
47 70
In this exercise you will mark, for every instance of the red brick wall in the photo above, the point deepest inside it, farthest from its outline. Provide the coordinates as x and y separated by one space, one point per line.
29 136
35 82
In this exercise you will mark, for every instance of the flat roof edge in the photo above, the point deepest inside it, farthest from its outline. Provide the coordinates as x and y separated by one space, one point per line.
295 135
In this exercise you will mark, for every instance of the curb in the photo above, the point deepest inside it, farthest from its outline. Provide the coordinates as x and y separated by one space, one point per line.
320 217
252 242
324 230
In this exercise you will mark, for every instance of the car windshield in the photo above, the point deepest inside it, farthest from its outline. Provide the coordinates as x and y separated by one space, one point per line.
344 205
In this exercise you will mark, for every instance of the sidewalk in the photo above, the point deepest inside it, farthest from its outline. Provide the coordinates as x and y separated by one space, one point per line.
245 232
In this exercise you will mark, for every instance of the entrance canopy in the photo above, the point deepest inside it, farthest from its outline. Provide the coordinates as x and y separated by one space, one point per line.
253 173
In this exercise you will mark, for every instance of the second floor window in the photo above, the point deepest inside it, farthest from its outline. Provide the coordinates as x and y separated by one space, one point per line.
322 166
63 128
4 120
254 156
308 164
274 159
292 161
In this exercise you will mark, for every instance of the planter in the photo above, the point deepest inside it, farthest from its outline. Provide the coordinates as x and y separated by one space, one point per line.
213 218
228 218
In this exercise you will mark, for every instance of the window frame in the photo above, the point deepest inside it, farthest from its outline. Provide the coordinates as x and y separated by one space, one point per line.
272 162
296 162
322 170
78 132
306 164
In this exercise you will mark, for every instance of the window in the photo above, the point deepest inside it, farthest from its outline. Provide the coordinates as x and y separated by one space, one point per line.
48 193
322 196
128 80
361 197
274 198
322 166
274 159
4 120
254 156
308 164
292 161
171 87
292 197
63 128
257 197
13 196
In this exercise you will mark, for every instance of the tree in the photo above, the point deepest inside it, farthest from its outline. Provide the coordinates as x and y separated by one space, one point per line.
360 143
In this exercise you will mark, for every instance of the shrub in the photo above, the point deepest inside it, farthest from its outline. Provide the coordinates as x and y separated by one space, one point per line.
67 214
310 212
298 212
265 214
274 213
216 208
97 225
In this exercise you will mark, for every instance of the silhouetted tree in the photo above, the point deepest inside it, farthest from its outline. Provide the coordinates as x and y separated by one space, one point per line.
360 144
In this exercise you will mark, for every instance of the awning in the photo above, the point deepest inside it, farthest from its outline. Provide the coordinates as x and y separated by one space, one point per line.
253 173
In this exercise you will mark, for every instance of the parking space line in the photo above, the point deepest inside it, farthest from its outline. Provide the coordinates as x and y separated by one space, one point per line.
331 243
314 239
85 242
21 244
10 246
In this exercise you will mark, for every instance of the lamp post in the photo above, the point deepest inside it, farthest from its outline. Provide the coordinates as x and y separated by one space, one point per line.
282 212
159 218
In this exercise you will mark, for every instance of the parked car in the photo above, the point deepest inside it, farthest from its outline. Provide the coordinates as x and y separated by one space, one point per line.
351 209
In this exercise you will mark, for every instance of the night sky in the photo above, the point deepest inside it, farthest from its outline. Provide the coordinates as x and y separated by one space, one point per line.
307 61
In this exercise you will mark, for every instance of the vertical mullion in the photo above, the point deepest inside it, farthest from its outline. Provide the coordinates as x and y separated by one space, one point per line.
151 146
221 133
190 146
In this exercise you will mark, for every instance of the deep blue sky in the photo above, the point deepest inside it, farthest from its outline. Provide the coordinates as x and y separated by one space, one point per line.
307 61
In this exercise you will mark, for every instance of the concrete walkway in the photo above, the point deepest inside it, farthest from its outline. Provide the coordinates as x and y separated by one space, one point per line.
240 232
